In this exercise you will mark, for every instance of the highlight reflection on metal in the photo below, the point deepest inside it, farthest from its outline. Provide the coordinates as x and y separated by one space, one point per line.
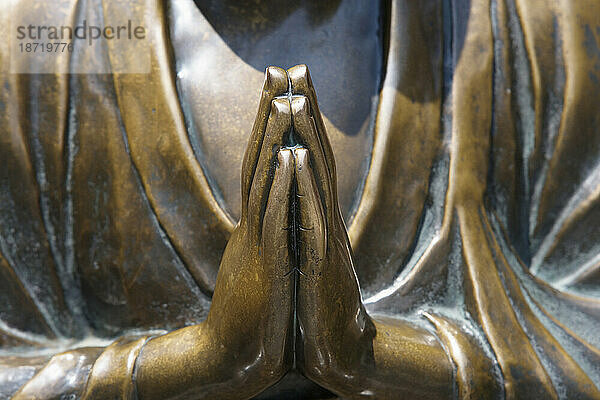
473 235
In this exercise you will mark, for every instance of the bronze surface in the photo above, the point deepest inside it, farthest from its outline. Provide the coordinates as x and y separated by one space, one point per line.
428 229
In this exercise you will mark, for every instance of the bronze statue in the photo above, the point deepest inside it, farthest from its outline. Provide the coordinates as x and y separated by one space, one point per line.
470 229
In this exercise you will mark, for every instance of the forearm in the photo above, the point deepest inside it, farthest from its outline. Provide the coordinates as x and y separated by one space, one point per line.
190 362
410 362
182 361
393 359
195 362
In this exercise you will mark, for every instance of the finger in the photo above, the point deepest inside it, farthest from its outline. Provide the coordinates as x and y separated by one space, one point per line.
276 84
301 84
312 231
305 129
276 222
277 263
278 125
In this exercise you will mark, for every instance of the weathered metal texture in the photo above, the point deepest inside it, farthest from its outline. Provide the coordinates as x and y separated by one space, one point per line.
467 149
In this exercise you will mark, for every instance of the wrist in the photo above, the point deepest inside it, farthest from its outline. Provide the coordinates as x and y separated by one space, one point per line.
112 375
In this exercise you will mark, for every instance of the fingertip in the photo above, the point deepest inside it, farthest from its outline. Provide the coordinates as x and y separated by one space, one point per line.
280 107
300 78
284 171
301 156
284 158
299 70
300 106
276 80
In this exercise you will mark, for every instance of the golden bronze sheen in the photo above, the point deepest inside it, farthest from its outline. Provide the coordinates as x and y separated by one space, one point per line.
426 230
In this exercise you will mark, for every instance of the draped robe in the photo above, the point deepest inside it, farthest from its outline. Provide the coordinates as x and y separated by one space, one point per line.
478 217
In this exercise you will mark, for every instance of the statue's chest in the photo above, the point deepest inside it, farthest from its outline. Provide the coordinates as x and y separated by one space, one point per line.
220 74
